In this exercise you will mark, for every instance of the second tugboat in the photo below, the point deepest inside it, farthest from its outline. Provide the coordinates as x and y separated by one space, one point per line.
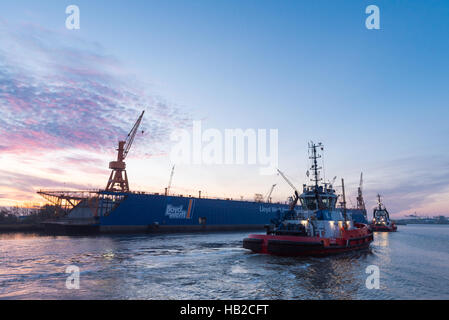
381 218
317 228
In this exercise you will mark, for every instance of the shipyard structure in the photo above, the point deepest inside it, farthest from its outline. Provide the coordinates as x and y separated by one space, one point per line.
118 209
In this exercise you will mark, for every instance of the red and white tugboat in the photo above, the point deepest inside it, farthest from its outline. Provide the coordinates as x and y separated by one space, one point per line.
381 218
317 228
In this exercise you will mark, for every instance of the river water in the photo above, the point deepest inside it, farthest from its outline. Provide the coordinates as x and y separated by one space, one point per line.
413 264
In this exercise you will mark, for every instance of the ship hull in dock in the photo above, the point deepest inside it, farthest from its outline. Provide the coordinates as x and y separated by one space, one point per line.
115 212
112 212
172 213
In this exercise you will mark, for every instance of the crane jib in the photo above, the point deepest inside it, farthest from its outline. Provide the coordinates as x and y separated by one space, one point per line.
132 135
118 180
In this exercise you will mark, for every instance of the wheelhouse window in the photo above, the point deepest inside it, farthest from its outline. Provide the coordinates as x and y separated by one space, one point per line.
309 203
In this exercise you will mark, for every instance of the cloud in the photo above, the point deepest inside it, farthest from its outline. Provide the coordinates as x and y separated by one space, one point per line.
408 185
61 96
59 92
82 160
25 183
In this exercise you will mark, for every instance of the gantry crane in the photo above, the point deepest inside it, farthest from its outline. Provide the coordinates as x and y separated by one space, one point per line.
118 180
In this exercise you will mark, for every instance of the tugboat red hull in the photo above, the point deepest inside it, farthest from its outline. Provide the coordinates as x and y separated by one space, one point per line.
391 228
357 239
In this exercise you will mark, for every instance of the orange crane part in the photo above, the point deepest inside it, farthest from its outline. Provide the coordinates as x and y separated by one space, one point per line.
118 180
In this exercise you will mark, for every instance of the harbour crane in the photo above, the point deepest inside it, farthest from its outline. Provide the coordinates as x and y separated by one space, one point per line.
330 184
118 180
171 179
269 193
288 181
360 200
296 199
333 181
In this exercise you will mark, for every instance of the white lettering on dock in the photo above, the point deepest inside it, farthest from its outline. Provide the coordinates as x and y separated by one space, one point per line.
175 212
271 209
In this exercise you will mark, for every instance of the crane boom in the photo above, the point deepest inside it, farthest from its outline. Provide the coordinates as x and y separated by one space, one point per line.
170 181
271 191
131 135
361 180
333 180
288 181
360 200
294 202
296 198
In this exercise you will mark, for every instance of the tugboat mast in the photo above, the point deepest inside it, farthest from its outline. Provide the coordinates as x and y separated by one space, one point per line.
344 199
379 201
314 158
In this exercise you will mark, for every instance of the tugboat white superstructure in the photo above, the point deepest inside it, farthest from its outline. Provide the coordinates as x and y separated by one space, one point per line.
381 218
318 228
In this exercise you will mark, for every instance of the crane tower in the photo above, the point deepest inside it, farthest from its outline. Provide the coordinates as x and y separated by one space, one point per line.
118 180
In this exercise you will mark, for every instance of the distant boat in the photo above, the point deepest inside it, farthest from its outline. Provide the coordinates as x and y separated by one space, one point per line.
381 218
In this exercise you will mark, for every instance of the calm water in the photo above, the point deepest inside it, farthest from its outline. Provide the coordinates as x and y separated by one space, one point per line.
414 264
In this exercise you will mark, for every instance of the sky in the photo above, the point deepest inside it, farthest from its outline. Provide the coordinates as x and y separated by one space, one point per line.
377 99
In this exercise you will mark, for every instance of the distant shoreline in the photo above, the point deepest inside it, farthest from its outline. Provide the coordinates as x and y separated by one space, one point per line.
399 222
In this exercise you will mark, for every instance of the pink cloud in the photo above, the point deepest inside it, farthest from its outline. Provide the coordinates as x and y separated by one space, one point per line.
58 93
71 96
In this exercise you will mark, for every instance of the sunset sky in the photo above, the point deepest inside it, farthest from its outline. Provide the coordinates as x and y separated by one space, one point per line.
377 99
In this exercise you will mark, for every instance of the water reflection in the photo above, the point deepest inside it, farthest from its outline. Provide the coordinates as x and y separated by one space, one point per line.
214 266
382 238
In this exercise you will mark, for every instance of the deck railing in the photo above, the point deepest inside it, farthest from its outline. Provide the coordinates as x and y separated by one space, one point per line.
85 194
